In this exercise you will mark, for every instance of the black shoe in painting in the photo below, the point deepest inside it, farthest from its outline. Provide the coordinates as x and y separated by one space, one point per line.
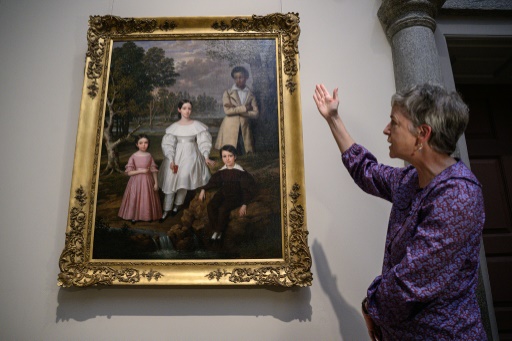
164 216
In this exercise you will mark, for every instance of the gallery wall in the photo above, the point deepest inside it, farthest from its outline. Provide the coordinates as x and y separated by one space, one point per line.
42 58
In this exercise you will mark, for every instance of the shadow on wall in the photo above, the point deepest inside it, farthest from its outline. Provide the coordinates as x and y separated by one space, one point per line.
351 323
82 304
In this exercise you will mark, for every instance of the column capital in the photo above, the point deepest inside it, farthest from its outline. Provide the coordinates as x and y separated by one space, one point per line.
395 15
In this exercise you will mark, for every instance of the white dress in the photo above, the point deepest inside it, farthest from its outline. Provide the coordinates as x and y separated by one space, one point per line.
187 146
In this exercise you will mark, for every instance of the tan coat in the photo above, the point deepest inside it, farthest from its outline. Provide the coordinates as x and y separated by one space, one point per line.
237 117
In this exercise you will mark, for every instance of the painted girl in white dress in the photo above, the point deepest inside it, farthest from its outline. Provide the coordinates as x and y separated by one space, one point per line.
186 148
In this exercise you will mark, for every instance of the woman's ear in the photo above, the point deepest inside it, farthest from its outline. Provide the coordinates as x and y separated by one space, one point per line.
424 132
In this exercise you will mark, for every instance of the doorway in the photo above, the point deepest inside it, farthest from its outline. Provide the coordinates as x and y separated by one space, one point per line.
482 71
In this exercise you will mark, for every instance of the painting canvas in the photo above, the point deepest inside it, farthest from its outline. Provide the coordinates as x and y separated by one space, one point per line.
239 78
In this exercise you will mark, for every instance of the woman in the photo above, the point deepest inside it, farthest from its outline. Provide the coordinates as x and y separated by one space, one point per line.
426 290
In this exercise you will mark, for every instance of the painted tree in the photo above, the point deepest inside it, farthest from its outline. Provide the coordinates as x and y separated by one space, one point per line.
174 99
161 73
205 104
133 78
162 102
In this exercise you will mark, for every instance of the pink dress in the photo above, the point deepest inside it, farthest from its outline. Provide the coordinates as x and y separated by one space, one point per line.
140 200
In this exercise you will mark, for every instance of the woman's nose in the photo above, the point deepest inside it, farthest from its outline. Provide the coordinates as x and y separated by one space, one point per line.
386 130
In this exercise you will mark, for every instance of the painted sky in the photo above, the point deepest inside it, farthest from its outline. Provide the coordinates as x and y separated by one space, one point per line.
198 72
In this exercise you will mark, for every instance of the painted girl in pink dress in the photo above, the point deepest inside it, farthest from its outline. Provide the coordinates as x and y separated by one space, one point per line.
140 199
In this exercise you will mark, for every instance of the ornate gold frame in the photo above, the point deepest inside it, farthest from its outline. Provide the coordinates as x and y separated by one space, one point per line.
78 268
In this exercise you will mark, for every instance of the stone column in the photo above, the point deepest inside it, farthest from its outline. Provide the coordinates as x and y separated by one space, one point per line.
409 26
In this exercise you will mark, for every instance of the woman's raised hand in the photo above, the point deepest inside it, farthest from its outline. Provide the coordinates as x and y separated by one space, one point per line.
327 105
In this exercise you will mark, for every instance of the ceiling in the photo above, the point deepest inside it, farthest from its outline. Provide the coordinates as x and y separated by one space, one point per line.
482 60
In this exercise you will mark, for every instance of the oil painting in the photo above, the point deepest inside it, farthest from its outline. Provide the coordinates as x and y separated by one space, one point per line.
188 163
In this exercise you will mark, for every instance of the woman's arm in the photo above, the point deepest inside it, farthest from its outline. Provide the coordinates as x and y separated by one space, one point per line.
369 175
372 177
328 108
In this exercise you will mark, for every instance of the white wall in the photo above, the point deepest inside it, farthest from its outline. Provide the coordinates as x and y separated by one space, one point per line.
43 45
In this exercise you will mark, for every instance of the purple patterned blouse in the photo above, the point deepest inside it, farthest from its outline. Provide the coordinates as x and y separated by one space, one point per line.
430 271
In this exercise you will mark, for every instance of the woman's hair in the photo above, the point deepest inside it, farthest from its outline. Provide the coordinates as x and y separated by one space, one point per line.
183 101
228 148
239 69
443 111
141 136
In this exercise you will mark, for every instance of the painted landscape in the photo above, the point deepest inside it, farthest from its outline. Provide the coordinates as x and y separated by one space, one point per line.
147 80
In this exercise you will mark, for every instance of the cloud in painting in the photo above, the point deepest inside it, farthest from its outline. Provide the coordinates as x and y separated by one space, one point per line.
198 72
198 76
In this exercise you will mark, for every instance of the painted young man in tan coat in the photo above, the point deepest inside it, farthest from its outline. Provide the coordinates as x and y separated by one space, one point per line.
239 106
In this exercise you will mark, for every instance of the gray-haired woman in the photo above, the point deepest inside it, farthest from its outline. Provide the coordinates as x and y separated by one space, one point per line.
426 290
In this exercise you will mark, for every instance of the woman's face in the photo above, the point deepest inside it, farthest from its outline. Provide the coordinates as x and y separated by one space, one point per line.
228 158
186 110
402 141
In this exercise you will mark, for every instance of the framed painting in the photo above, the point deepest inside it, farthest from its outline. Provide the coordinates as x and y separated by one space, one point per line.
188 164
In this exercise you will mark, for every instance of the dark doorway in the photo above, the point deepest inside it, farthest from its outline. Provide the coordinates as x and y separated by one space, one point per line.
482 70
